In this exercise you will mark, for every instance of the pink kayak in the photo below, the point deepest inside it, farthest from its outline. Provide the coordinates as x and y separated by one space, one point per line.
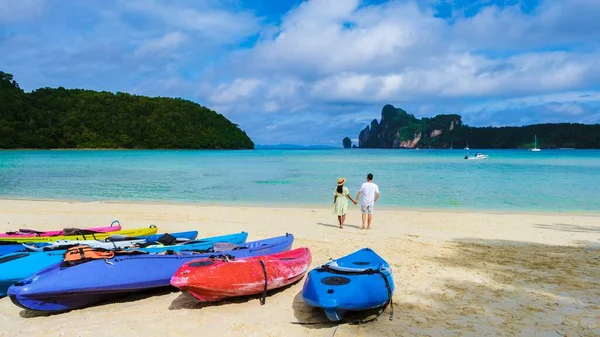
24 233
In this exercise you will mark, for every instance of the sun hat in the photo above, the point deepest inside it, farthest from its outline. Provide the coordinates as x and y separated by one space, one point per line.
341 181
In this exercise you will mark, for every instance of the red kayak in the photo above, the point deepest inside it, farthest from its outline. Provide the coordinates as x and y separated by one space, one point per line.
216 279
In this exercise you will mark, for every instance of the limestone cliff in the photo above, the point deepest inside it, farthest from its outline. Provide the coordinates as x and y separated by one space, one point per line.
399 129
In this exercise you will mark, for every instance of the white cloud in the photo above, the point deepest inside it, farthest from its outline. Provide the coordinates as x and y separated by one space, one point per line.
163 44
566 109
554 22
18 10
310 12
354 53
271 106
239 89
222 26
530 101
463 76
315 38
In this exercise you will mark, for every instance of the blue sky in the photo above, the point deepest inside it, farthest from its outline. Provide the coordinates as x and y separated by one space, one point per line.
312 72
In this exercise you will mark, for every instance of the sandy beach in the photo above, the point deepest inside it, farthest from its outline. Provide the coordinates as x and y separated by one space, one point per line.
456 273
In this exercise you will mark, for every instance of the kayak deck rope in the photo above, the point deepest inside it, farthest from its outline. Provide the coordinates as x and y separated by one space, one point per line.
264 295
93 236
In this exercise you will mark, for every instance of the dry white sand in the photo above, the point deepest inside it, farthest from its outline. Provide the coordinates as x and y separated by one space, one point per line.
456 273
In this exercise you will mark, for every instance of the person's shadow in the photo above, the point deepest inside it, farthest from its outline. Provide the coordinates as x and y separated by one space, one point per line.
336 226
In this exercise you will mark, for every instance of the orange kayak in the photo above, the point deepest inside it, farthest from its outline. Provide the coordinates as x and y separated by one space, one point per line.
216 279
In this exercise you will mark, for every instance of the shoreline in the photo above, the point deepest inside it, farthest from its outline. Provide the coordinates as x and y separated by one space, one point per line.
313 206
305 221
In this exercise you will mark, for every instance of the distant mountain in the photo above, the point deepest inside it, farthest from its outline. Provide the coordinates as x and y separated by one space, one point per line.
399 129
293 146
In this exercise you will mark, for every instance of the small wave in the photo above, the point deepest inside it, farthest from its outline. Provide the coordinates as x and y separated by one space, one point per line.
272 182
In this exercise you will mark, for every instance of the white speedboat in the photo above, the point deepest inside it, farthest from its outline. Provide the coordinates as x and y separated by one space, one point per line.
477 156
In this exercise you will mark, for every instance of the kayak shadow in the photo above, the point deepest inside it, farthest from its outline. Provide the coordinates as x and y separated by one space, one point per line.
309 317
315 318
116 299
187 301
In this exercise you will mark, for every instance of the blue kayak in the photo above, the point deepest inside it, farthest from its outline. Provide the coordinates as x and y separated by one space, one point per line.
17 266
118 242
7 247
356 282
190 235
65 286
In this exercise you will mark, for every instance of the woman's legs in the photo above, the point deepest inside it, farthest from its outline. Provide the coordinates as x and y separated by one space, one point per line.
343 219
340 221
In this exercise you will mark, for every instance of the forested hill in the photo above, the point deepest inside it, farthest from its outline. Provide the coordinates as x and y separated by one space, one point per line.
399 129
73 118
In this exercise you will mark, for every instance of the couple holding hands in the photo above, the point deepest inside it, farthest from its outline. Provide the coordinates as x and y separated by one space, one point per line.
370 193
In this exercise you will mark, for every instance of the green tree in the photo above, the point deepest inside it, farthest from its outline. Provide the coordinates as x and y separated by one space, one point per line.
62 118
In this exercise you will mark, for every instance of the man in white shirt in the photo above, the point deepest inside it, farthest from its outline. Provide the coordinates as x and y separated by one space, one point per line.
370 192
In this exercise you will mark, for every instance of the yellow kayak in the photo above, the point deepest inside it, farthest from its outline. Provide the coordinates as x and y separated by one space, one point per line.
82 234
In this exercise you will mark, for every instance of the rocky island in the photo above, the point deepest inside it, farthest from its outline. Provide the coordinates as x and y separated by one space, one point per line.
399 129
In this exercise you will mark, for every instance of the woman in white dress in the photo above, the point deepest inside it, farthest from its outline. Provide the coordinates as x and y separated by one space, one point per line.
341 194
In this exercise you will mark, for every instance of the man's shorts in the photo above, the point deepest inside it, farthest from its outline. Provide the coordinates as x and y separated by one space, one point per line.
367 208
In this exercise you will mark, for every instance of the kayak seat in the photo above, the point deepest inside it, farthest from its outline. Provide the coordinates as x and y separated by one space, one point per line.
335 281
224 246
26 231
334 267
167 239
78 231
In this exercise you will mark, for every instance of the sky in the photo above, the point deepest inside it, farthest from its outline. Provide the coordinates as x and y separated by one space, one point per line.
312 72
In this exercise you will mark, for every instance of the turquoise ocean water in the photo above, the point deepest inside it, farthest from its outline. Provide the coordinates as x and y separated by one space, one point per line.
551 180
